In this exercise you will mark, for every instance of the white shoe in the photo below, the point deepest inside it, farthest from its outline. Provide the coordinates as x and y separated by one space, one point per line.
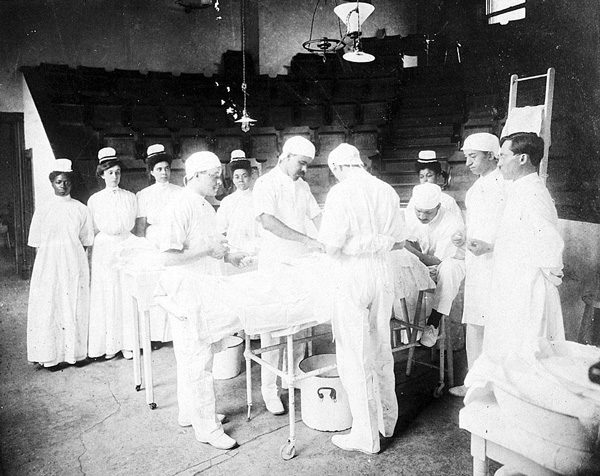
109 356
274 405
459 391
127 354
185 423
222 442
345 442
430 336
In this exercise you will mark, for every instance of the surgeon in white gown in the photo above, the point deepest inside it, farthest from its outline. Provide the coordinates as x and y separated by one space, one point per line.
58 309
485 202
527 256
283 204
362 222
151 203
113 210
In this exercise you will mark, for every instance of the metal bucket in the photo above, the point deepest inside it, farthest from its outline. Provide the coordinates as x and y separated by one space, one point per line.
228 363
323 399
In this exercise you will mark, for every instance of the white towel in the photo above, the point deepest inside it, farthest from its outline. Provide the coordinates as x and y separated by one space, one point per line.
525 119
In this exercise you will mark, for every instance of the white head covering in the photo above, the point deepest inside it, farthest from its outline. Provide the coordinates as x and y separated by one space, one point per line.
106 153
62 165
427 156
426 196
298 145
482 141
238 154
344 154
199 162
155 149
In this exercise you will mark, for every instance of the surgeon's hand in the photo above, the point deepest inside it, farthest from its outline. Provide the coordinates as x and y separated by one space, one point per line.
239 259
314 245
218 247
458 239
479 247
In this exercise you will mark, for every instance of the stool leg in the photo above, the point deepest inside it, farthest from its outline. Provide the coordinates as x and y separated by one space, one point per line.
442 345
414 332
450 358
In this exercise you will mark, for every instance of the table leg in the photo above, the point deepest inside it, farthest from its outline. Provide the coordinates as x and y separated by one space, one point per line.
137 377
247 352
147 348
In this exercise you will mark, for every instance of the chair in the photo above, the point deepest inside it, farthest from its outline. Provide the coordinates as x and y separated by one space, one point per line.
536 119
412 329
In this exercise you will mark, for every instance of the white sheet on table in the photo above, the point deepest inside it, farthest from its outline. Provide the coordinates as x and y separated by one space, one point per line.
551 375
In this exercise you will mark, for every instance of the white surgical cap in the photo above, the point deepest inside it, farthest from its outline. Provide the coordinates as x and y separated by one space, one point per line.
62 165
482 141
344 154
106 153
298 145
426 196
200 162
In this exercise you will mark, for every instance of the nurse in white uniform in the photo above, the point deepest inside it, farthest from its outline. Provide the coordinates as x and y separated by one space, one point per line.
151 203
58 310
113 210
235 216
430 171
361 224
283 204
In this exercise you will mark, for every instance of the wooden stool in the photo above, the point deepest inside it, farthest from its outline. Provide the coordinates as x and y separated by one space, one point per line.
590 320
412 328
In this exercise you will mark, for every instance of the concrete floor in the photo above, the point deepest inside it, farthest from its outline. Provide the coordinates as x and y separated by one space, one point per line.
89 420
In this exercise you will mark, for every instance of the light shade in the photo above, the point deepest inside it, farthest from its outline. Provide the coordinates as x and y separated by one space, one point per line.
348 13
358 56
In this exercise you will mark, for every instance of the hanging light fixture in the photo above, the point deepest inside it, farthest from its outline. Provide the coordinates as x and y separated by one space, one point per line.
353 14
246 121
324 45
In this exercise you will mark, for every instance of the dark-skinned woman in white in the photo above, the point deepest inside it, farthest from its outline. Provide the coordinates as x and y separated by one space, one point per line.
58 311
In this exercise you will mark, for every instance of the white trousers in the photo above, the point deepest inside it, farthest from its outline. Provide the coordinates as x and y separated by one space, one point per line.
450 275
361 324
473 343
195 387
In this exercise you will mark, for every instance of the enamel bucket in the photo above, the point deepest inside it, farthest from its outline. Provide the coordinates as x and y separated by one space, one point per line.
323 399
228 363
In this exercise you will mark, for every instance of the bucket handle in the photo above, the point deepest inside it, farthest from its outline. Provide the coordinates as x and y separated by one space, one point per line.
332 393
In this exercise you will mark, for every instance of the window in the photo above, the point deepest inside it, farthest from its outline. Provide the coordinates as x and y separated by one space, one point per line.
503 11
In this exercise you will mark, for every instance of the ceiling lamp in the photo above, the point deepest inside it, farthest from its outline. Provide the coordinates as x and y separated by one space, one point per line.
353 14
324 45
246 121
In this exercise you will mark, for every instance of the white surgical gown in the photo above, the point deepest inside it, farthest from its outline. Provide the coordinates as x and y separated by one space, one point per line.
362 217
485 202
435 238
527 269
58 310
111 319
189 222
